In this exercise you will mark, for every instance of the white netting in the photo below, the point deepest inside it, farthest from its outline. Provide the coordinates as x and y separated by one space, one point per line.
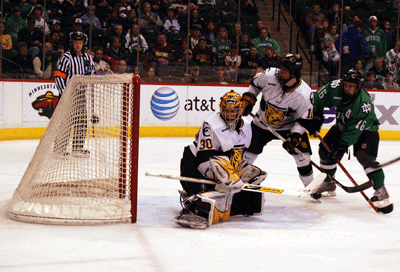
81 172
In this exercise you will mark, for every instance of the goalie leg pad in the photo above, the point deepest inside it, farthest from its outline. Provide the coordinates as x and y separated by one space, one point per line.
212 206
247 203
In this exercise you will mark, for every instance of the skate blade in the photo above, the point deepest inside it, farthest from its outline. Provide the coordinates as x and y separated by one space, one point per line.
328 194
192 221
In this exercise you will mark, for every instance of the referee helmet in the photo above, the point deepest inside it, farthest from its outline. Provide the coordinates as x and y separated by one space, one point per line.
77 36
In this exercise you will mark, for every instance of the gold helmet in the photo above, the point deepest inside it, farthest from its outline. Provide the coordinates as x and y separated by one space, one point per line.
231 108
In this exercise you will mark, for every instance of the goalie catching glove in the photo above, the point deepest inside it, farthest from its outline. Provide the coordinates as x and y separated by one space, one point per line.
222 171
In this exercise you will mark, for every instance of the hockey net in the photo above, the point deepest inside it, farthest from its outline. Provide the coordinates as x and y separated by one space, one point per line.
84 170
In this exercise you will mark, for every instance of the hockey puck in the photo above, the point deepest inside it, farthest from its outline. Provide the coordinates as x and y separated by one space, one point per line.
316 195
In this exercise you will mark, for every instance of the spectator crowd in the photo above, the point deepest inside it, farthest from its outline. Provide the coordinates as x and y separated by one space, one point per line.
166 40
196 41
360 40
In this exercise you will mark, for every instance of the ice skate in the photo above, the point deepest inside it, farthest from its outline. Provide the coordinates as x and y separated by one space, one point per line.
381 200
325 189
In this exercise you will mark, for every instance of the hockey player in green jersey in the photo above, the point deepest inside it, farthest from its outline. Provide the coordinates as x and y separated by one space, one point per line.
356 125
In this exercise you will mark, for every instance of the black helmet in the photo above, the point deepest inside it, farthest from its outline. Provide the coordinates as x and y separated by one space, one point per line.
354 76
77 36
293 62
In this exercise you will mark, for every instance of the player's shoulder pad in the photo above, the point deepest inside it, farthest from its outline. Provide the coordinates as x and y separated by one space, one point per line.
211 123
265 77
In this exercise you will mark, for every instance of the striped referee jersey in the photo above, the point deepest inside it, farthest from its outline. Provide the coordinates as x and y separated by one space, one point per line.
71 64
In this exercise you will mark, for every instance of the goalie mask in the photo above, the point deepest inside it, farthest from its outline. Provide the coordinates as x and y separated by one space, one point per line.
231 108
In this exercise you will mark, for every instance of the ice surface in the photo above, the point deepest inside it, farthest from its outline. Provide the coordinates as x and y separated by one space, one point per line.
294 234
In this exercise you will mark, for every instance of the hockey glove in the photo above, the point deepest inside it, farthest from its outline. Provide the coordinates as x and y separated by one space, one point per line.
249 101
292 143
338 148
316 123
229 181
251 174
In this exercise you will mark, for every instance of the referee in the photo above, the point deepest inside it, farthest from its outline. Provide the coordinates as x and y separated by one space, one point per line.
74 62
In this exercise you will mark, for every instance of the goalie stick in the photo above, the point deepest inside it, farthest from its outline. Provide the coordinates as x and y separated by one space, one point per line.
247 187
353 189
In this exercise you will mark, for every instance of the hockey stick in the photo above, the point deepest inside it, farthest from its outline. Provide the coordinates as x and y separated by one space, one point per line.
352 189
345 171
247 187
390 162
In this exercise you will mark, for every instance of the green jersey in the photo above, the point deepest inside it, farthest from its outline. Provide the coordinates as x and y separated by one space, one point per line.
261 44
352 117
221 48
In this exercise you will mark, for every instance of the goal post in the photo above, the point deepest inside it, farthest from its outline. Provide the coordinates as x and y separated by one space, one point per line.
85 168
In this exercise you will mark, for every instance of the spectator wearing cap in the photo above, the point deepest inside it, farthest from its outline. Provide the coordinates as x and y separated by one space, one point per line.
15 23
56 26
77 26
194 37
389 83
376 41
171 21
264 41
330 60
32 36
203 54
123 8
89 18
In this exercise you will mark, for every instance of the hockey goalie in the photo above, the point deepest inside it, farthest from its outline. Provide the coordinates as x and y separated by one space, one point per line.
217 154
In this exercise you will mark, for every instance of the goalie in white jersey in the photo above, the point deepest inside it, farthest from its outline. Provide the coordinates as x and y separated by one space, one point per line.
286 107
217 154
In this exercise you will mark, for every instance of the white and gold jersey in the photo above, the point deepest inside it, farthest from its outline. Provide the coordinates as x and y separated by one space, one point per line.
280 109
214 138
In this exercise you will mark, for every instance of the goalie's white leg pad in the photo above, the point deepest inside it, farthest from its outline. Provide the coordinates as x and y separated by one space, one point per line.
212 207
220 207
